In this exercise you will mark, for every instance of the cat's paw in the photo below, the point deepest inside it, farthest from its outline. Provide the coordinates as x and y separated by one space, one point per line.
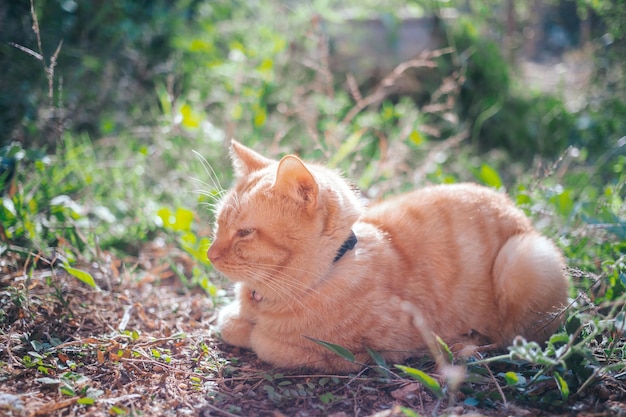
234 329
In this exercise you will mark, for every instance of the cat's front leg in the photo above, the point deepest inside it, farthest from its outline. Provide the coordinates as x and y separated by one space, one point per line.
234 327
298 352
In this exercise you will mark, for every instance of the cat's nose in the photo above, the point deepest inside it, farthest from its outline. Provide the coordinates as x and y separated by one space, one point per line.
214 253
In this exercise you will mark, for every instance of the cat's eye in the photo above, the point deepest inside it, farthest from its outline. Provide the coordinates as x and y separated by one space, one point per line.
244 232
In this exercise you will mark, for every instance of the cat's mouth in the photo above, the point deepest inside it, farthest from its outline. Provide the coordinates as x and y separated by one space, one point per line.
255 295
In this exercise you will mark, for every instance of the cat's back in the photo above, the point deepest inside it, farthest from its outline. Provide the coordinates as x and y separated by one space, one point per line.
445 240
448 224
441 208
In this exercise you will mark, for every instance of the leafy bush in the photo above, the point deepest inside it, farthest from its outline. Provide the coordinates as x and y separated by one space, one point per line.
111 56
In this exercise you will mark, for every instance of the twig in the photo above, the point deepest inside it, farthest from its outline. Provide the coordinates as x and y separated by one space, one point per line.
27 50
166 366
446 144
49 408
40 56
356 402
219 410
425 60
493 378
353 86
49 69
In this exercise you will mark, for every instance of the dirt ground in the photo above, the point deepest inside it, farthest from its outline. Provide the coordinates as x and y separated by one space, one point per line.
142 345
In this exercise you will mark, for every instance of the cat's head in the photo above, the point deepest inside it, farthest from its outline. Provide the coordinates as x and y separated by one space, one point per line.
283 221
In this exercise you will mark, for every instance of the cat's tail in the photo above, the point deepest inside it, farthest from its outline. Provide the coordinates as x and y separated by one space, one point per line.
531 288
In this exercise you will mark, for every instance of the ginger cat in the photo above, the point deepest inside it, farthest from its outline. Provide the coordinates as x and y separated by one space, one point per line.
311 262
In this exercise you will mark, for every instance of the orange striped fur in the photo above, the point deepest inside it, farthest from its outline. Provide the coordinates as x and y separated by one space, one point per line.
459 261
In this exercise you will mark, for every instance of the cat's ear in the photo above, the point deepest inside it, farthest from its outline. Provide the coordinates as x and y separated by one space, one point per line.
296 181
245 160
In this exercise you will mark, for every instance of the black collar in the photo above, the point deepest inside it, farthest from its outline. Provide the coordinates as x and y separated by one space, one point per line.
349 244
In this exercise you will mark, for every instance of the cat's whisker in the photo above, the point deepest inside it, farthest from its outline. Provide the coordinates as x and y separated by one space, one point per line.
278 289
285 271
214 196
269 277
209 170
212 187
286 283
208 205
289 268
205 185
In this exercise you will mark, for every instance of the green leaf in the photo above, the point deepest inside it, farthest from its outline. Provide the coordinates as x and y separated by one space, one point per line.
423 378
200 45
260 115
8 207
559 338
523 199
191 119
236 113
114 410
184 218
416 138
81 275
339 350
378 359
445 349
86 401
327 397
512 378
37 345
28 362
165 214
267 65
471 401
563 387
489 176
564 202
408 412
346 148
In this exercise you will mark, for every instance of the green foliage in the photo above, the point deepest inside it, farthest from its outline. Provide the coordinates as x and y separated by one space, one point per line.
339 350
486 72
489 176
280 389
425 379
81 275
180 223
87 199
58 198
113 54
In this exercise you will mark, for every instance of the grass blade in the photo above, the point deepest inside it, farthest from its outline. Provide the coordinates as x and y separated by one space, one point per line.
339 350
378 358
82 276
562 384
423 378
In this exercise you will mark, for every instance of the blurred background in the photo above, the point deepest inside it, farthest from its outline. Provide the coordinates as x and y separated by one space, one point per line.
548 65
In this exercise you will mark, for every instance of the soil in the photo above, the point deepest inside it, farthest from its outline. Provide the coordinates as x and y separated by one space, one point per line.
144 345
